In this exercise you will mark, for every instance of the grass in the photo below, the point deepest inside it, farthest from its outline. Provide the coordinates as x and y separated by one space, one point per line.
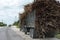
17 26
58 36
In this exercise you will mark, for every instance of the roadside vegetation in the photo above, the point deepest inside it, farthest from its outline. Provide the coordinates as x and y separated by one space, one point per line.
2 24
58 35
16 24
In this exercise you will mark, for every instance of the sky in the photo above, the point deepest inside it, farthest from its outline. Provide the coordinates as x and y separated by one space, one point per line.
9 10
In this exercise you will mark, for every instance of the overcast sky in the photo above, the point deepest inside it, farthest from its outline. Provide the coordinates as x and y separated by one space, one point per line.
9 9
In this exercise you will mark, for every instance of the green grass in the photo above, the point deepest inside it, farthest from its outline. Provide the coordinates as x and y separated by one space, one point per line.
58 36
17 26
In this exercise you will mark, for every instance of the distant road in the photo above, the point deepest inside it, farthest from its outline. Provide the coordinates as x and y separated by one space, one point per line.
7 34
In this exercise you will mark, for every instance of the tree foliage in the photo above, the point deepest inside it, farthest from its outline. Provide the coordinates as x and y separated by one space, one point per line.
2 24
16 23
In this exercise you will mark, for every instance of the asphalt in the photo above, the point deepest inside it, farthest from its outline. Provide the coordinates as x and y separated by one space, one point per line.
7 34
12 33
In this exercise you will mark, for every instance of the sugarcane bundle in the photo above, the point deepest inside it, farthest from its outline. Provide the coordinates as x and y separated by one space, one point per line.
47 17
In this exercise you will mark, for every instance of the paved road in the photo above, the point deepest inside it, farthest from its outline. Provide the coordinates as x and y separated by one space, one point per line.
7 34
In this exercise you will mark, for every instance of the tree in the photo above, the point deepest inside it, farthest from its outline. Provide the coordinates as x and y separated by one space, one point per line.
16 23
2 24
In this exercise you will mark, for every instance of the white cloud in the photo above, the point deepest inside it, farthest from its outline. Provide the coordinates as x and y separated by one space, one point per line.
9 9
9 2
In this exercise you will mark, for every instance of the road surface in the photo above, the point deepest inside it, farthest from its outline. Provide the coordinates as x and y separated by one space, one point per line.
7 34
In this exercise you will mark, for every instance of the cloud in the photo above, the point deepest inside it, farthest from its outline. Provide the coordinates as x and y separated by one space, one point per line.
9 9
9 2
